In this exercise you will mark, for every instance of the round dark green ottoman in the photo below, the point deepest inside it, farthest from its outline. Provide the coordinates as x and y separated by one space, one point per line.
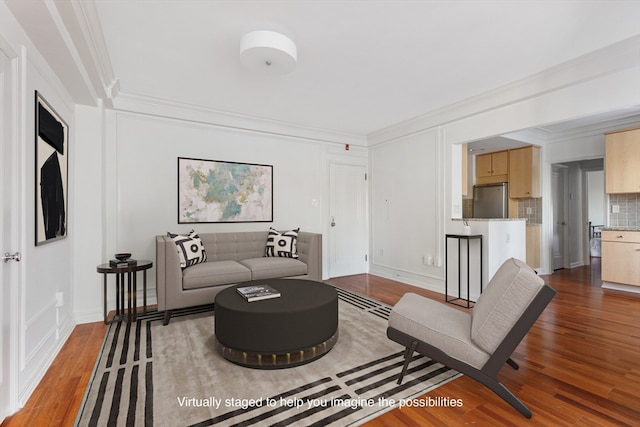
296 328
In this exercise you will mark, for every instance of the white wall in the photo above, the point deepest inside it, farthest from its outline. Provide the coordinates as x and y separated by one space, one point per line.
89 213
406 209
140 186
44 323
47 269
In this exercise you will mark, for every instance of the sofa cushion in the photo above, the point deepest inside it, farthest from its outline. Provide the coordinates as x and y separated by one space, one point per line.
190 249
234 245
441 326
501 304
214 273
272 268
282 244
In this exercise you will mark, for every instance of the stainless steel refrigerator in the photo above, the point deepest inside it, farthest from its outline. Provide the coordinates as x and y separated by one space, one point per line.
491 201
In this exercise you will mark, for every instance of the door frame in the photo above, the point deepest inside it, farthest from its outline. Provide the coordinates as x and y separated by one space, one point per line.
9 148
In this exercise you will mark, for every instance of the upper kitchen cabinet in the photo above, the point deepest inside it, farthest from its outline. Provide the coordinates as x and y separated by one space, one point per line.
492 168
524 172
622 157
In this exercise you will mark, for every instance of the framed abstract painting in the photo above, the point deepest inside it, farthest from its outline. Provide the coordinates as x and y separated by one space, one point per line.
51 169
213 191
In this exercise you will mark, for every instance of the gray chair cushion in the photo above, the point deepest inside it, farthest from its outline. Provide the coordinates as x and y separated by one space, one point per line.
274 267
214 273
501 304
439 325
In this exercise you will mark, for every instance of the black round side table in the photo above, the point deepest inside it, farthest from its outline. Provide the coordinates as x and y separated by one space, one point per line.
130 272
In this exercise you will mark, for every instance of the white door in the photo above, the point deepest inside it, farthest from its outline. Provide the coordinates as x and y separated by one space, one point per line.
558 246
348 229
8 239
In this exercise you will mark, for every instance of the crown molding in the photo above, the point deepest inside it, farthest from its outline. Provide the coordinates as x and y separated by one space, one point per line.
89 26
169 109
58 14
605 61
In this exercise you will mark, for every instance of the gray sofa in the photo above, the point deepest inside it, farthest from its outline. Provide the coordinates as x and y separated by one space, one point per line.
231 258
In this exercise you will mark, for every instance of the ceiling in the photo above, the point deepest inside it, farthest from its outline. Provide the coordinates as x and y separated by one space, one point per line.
362 65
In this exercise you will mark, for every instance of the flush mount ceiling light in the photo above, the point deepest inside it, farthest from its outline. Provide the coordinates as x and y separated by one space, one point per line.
268 52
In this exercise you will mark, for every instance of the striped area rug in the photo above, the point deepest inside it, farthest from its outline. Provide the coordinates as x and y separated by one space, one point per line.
148 374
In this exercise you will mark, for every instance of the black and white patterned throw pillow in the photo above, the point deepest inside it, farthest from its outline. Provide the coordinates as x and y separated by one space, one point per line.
283 244
190 249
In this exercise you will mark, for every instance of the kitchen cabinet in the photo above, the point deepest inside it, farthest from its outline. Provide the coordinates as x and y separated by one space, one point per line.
621 257
622 157
492 168
524 172
533 245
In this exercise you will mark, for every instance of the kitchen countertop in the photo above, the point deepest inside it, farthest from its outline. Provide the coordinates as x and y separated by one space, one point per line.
620 228
488 219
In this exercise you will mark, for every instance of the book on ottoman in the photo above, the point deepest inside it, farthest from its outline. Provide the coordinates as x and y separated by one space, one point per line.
258 292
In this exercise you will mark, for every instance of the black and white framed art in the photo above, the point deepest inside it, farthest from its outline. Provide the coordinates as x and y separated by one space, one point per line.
51 169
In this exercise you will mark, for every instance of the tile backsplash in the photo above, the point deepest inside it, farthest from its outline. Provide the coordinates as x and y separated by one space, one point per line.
531 209
629 210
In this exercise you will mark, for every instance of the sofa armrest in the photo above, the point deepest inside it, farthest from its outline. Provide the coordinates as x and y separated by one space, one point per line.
310 252
168 273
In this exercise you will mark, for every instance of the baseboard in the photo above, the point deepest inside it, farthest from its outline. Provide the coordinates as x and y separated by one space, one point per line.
88 316
152 299
408 278
64 332
97 314
621 287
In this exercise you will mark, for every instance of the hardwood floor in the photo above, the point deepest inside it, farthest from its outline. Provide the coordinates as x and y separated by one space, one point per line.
56 400
579 364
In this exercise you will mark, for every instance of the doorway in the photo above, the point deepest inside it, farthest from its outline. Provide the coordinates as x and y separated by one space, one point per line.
559 190
579 201
596 211
348 241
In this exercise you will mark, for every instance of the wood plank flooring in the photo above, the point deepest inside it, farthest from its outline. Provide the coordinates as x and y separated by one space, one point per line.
579 365
56 400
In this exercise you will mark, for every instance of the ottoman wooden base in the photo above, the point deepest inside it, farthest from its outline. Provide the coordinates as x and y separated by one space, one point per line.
276 360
